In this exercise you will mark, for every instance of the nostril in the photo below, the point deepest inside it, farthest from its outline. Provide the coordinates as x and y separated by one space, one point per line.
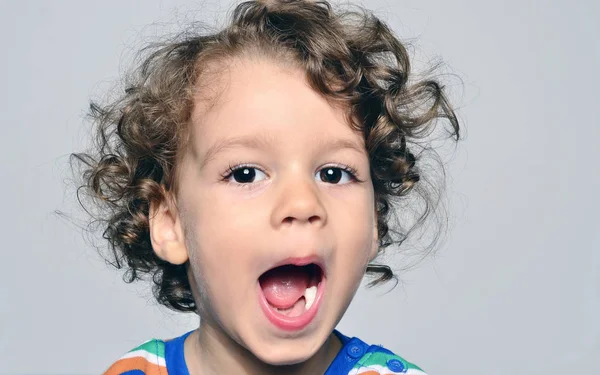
312 219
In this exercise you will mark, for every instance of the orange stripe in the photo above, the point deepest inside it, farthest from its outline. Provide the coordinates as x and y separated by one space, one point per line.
135 363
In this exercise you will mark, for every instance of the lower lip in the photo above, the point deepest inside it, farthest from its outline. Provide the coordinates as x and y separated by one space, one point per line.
295 323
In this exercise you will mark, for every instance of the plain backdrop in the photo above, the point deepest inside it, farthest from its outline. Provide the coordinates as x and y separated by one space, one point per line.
514 289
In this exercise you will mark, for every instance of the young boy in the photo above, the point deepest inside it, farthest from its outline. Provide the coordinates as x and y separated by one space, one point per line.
250 172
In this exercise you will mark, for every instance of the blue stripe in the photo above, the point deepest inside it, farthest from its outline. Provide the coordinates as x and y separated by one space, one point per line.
174 356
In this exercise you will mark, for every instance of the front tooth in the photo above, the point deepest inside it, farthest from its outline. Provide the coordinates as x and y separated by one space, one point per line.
309 296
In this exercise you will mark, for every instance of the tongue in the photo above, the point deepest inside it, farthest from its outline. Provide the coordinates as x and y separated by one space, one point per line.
283 286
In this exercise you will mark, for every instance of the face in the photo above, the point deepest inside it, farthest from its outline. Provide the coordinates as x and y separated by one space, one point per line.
274 177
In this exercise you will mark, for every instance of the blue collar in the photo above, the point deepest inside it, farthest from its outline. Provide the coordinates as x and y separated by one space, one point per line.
352 350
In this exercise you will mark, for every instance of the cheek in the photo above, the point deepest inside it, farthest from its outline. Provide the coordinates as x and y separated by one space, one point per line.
220 238
354 228
216 225
218 273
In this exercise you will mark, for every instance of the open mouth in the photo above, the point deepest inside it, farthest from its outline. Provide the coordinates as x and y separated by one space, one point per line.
290 294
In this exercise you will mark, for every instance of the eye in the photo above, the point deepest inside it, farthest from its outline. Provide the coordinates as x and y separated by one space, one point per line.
244 174
337 175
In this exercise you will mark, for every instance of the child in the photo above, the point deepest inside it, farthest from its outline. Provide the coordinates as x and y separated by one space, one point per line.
251 173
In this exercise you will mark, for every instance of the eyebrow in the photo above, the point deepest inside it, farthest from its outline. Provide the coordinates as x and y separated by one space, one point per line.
265 141
255 141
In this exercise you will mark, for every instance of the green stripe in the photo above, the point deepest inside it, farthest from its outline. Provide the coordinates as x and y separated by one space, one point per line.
381 359
154 347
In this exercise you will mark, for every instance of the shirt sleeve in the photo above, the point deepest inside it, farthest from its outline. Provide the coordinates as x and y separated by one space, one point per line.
146 359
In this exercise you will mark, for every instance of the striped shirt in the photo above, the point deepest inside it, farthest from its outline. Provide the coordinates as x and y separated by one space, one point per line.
158 357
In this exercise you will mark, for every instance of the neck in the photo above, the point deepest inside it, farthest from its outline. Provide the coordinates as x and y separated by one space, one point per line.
209 351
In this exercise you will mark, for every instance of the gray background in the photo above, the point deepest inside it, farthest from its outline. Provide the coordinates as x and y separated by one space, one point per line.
515 289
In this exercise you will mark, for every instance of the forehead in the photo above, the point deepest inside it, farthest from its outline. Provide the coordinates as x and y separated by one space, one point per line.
261 97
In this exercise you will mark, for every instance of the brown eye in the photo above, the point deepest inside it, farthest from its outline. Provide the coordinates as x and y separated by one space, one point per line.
331 175
335 175
245 175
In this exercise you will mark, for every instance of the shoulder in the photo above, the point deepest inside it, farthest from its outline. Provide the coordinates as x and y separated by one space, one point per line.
359 358
378 361
146 359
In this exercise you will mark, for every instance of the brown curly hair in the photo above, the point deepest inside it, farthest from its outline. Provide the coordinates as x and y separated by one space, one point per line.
350 57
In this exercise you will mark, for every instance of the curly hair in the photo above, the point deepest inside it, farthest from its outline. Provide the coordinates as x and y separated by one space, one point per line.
349 57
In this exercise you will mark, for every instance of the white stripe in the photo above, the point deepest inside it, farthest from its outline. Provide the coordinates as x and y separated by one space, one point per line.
152 358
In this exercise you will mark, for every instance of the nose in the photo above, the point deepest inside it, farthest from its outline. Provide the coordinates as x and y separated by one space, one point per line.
299 202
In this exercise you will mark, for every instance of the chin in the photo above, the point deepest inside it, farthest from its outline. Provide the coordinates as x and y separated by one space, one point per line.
293 357
290 352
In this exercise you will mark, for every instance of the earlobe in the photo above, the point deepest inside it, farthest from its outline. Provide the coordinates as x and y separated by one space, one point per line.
166 233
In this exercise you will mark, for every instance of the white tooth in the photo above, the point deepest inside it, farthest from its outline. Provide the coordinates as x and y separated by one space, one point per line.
309 296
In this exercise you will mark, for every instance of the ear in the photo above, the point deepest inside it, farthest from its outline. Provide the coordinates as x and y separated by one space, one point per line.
166 232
